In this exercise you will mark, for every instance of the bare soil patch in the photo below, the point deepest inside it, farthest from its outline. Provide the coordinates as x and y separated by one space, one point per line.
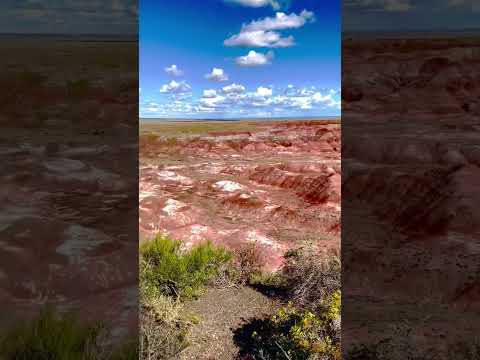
221 312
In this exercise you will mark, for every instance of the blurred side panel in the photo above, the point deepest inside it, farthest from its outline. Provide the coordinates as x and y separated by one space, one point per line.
410 184
69 173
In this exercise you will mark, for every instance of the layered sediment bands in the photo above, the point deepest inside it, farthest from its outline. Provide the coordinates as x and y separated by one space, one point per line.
61 239
410 162
68 185
441 198
235 188
316 188
407 79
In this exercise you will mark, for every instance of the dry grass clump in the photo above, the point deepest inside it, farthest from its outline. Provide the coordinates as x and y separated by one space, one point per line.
163 328
249 262
310 278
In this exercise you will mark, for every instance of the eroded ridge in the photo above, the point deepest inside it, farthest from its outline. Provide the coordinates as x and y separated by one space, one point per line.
68 196
410 190
277 184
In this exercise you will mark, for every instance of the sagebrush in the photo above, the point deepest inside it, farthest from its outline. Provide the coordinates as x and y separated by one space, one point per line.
170 275
166 269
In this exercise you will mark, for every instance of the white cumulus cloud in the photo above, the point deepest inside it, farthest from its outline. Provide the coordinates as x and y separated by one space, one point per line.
256 3
175 87
233 89
217 75
254 58
281 21
264 32
173 70
235 100
264 91
212 102
269 39
209 93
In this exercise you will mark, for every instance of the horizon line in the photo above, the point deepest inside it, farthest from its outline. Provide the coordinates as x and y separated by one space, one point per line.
329 117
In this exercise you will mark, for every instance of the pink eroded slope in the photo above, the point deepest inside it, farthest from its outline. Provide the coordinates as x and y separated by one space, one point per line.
276 185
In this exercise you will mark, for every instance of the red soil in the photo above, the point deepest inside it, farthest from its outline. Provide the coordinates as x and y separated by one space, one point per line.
410 189
248 186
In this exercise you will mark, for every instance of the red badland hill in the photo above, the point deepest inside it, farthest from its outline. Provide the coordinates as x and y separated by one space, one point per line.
410 186
273 183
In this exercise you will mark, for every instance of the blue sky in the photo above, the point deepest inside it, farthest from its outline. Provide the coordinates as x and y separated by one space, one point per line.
239 58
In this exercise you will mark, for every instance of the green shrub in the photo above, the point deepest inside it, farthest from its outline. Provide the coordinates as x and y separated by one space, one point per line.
273 280
298 334
309 326
52 336
169 275
166 269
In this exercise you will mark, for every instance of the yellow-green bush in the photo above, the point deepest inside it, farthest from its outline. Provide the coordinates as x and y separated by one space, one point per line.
300 334
169 275
168 270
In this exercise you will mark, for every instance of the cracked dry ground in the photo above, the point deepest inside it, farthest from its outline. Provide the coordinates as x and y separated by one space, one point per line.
221 312
275 184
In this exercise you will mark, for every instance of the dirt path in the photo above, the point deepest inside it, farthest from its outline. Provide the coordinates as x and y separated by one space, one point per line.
222 311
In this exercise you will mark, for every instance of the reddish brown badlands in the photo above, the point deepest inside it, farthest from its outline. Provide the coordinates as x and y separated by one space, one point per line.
270 183
68 196
410 163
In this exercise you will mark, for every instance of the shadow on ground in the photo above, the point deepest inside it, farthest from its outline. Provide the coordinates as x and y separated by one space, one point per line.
272 291
243 339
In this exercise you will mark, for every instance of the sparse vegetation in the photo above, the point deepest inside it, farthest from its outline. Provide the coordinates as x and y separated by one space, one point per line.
310 278
308 327
182 128
163 327
170 275
297 334
54 336
248 262
275 280
196 127
167 270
